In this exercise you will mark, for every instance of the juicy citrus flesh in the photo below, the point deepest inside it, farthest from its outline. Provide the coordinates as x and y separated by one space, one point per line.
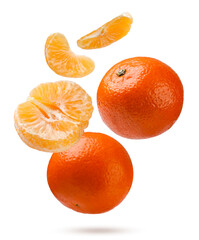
54 116
63 61
93 176
142 102
107 34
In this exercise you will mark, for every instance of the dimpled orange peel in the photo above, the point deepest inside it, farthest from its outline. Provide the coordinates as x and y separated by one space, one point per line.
93 176
140 97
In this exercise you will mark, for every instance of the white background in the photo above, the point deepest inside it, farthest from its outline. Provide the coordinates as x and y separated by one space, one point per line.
164 199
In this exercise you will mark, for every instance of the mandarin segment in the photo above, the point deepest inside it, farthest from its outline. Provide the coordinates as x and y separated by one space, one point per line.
63 61
42 135
68 98
54 116
107 34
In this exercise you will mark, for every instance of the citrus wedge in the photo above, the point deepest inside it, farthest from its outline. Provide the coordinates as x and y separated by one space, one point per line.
63 61
54 116
109 33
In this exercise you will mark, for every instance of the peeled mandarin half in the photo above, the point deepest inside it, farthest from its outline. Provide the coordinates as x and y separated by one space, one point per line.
63 61
109 33
54 116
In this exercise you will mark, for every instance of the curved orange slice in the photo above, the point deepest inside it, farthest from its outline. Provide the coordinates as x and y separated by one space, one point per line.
54 116
109 33
63 61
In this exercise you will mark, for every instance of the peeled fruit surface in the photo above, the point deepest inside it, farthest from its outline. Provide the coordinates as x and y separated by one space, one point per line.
140 97
63 61
54 116
93 176
107 34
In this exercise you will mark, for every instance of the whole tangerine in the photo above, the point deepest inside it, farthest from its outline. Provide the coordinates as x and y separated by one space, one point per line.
93 176
140 97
